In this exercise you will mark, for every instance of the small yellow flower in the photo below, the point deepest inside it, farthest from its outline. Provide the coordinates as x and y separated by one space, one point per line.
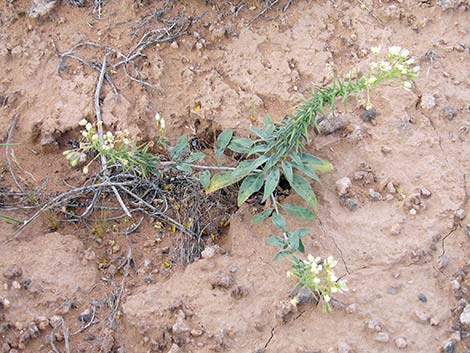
83 122
375 50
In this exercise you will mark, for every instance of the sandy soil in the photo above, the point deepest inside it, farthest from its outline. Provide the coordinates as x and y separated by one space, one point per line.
407 272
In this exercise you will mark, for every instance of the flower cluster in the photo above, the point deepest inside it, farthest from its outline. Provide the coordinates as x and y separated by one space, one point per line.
396 64
318 276
160 123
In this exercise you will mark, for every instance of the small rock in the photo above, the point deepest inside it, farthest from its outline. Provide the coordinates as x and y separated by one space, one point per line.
174 45
199 46
382 337
6 303
369 115
12 272
465 315
196 332
460 214
400 342
342 186
16 285
180 326
434 321
175 349
42 322
449 346
351 203
239 292
455 284
386 150
456 336
5 347
209 252
450 113
395 229
467 230
55 321
428 101
85 316
391 188
351 308
413 212
302 294
374 195
285 310
375 325
222 280
332 123
442 262
422 297
344 348
421 316
425 193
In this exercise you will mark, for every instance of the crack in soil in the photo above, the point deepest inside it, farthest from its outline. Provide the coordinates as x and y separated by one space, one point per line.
336 245
269 339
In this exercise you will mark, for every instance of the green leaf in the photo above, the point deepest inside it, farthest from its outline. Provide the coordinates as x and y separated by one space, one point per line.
295 238
316 163
302 187
195 157
298 211
221 180
258 148
261 134
250 185
276 241
279 221
287 170
180 149
260 217
184 168
205 178
283 253
222 142
310 172
272 161
240 144
271 182
11 219
246 167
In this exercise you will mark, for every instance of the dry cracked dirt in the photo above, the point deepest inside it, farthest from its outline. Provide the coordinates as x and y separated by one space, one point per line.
394 211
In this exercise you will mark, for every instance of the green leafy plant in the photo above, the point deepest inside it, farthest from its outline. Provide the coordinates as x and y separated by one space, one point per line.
278 150
317 276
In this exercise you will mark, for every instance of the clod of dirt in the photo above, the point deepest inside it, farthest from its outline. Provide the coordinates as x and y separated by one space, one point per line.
239 292
395 229
428 101
42 322
460 214
303 295
285 310
12 272
449 113
465 316
421 316
449 346
181 326
175 349
382 337
55 321
332 123
442 262
343 186
425 193
375 195
375 325
369 116
210 251
345 348
452 4
351 203
222 280
400 342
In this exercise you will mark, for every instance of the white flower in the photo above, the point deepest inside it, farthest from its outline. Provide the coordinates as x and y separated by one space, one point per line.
157 117
371 80
332 277
334 290
373 66
331 261
88 126
289 274
126 141
85 169
83 122
394 50
84 133
410 61
385 66
375 50
162 124
94 137
404 53
416 69
294 301
326 298
407 85
317 280
310 258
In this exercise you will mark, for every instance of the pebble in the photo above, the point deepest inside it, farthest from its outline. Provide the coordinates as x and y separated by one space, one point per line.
369 115
222 280
342 186
425 193
196 332
344 348
400 342
55 321
174 45
421 316
449 112
332 123
391 188
374 195
442 262
395 229
351 203
422 297
42 322
175 349
434 321
413 212
375 325
208 252
449 347
302 294
382 337
351 308
12 272
386 150
428 101
16 285
465 315
460 214
467 229
455 284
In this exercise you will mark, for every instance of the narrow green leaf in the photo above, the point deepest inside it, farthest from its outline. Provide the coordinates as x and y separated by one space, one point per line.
261 134
246 167
272 180
258 148
222 142
195 157
180 149
310 172
276 241
316 163
221 180
250 185
302 187
298 211
282 254
205 178
11 219
287 170
260 217
272 161
279 221
293 240
240 144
